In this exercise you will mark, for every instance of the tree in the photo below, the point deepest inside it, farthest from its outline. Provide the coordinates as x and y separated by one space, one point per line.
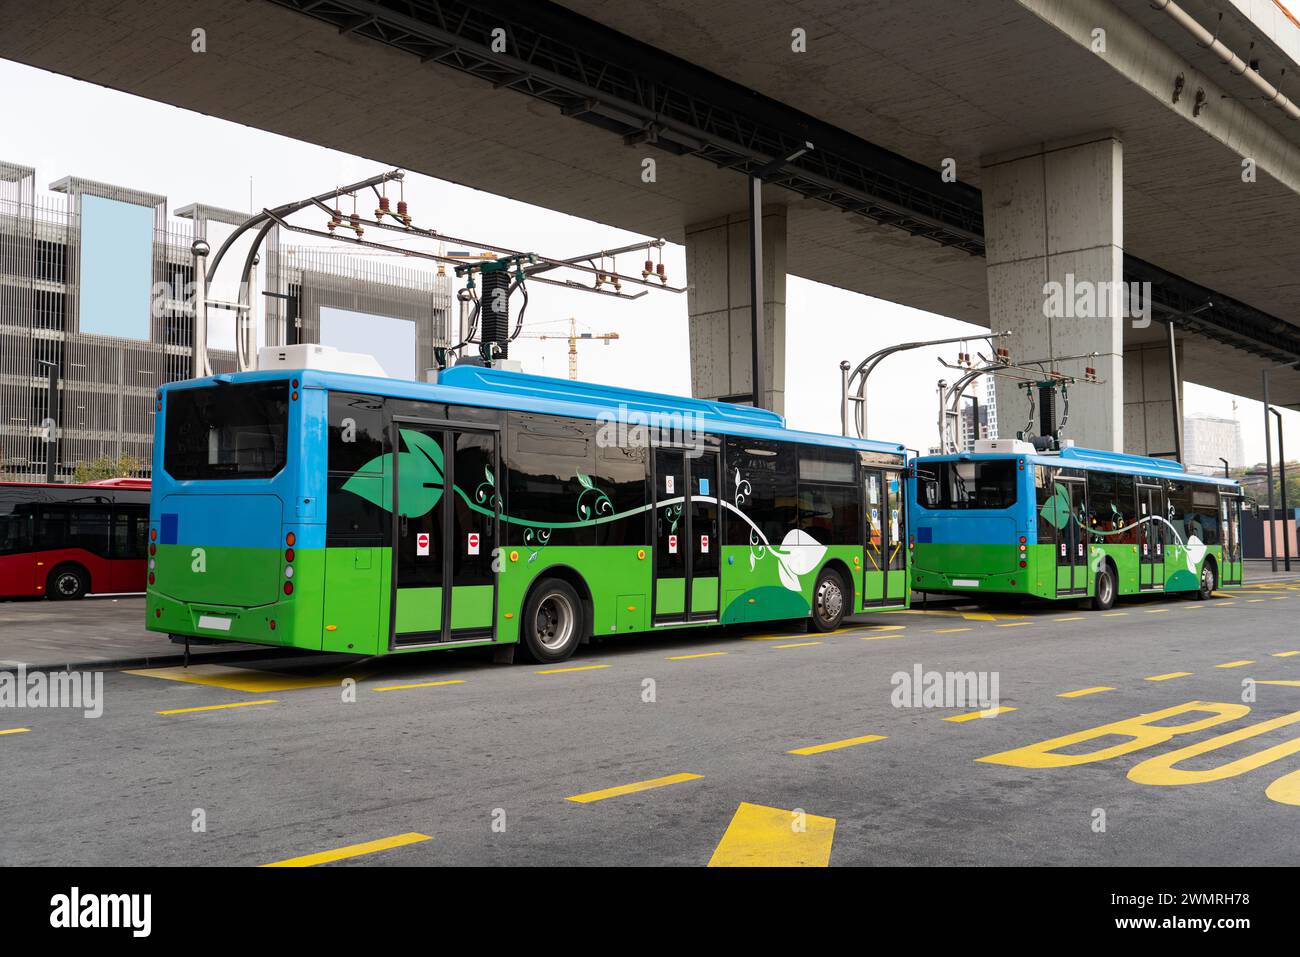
106 467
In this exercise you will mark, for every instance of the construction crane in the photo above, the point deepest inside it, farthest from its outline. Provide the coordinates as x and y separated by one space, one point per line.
574 338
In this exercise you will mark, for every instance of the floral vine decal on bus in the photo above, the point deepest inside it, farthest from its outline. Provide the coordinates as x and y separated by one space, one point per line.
600 504
799 553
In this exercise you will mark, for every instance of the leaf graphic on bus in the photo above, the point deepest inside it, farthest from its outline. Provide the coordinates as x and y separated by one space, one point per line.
1195 552
1056 510
799 554
420 473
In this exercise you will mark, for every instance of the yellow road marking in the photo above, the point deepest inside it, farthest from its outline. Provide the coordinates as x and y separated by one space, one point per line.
1172 674
1285 790
1075 618
1235 664
883 631
974 715
1285 684
1251 601
760 836
1083 691
1223 604
633 788
766 637
948 631
422 684
1285 654
1114 614
800 644
565 671
15 730
836 745
706 654
352 850
1280 598
1155 611
239 679
1014 624
218 707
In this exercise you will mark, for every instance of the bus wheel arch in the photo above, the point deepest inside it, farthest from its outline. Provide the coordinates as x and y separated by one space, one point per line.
1106 586
828 611
67 581
1209 579
558 580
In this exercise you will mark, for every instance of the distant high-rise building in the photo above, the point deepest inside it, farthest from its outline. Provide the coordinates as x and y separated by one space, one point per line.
979 420
1209 438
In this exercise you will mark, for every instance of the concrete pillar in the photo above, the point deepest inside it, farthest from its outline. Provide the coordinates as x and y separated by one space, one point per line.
1054 234
1148 405
717 267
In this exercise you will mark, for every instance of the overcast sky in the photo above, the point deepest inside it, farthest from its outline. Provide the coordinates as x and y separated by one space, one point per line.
67 127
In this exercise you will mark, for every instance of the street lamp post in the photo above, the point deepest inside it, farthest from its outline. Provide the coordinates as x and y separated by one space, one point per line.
51 421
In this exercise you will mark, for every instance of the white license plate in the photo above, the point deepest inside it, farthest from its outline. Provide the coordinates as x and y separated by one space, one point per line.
966 582
214 623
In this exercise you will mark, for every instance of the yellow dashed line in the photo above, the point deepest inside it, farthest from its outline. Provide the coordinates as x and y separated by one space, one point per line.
836 745
1114 614
800 644
352 850
633 788
15 730
1075 618
1014 624
218 707
1155 611
948 631
1235 664
975 715
1083 691
705 654
422 684
1285 654
1171 675
565 671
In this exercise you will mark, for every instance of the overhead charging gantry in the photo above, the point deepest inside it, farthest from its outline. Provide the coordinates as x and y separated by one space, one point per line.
489 283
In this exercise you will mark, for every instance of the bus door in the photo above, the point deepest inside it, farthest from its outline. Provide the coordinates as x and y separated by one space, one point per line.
1072 541
1230 532
445 533
686 557
1151 537
884 577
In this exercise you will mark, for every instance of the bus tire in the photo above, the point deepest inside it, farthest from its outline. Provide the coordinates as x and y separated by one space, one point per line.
1209 581
67 583
1103 594
552 626
830 600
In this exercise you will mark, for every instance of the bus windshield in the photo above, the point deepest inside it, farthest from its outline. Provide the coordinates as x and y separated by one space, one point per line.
987 484
227 431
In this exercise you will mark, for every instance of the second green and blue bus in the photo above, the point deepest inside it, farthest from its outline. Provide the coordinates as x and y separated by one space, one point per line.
1077 523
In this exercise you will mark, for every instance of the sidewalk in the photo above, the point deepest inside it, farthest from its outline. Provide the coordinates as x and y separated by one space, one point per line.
100 633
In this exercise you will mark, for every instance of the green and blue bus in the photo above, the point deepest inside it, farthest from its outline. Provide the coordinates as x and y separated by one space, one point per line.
340 512
1076 523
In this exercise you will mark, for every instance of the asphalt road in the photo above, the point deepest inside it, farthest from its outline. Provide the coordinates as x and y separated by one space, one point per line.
449 759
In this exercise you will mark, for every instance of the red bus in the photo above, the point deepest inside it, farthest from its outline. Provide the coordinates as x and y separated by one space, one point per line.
66 541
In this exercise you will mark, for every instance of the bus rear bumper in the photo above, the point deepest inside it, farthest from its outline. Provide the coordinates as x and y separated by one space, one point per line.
262 625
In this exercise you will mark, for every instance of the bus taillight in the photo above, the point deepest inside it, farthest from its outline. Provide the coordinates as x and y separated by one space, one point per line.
288 588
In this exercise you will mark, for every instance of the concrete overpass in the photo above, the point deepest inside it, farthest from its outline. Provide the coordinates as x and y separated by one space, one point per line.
1118 163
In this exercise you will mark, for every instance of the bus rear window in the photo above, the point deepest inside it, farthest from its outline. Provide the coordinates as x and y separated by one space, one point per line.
227 431
990 484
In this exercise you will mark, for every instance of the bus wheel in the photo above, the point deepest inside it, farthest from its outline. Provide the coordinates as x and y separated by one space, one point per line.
66 583
552 625
1103 596
829 601
1209 581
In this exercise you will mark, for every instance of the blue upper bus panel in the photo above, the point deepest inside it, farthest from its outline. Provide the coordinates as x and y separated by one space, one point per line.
501 389
1092 459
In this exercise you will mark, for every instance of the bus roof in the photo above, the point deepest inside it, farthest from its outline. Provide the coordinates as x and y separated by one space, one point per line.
501 389
1093 459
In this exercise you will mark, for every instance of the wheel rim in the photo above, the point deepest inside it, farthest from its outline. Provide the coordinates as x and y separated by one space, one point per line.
553 624
830 600
67 584
1107 587
1207 579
